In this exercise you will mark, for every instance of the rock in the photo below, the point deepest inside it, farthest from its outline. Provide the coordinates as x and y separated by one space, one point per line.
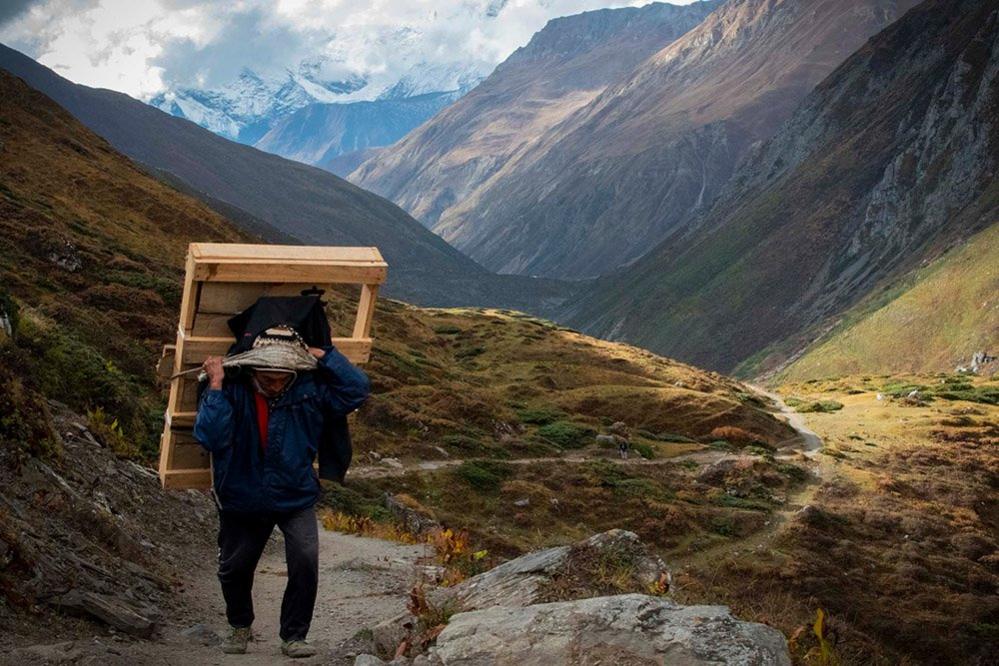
606 439
618 428
394 463
519 582
630 629
54 653
108 610
522 502
368 660
414 521
201 634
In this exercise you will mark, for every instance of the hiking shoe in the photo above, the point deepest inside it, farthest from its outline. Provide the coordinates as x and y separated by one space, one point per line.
235 642
297 649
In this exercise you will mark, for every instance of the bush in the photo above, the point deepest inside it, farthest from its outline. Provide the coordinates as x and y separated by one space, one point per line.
823 406
540 416
483 475
566 435
644 450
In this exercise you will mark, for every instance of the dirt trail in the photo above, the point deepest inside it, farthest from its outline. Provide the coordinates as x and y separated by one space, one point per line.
807 443
361 582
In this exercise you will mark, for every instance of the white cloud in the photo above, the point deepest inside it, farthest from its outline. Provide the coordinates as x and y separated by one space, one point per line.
142 47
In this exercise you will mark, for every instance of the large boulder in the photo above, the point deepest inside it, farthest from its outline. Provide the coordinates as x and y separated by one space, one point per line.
627 630
562 572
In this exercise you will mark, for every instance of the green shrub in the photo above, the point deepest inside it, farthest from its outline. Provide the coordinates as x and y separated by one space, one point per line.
674 437
823 406
566 435
644 450
483 475
539 416
446 330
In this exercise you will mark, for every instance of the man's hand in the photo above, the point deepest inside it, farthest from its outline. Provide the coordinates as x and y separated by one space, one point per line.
213 368
317 352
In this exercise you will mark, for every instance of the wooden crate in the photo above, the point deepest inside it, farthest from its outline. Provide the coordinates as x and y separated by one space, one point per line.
223 279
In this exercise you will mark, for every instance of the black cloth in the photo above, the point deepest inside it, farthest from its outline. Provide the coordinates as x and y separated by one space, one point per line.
307 315
242 537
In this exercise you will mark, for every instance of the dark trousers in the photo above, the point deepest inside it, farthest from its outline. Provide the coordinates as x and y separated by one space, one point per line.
242 538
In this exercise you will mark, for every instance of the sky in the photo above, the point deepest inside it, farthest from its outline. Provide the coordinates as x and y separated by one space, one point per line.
144 47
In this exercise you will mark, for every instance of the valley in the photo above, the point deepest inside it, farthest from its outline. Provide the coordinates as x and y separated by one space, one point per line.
689 307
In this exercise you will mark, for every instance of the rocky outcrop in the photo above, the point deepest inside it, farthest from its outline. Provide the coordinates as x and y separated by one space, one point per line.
630 629
550 608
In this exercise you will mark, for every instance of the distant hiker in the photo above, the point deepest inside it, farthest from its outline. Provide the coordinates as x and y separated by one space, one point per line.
263 429
622 448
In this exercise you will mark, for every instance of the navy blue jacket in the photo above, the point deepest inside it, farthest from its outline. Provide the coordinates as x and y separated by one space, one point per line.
281 478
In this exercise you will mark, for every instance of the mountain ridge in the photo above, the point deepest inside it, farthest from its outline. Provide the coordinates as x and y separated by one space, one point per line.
879 169
305 202
561 69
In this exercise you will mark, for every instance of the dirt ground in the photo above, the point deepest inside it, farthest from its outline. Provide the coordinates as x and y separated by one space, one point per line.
361 582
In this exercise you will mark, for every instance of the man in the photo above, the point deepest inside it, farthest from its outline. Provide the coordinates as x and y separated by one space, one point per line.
263 432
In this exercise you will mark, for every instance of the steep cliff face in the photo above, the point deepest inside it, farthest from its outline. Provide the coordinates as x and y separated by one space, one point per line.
603 187
886 163
564 67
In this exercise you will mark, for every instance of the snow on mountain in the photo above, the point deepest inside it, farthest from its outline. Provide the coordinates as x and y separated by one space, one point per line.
246 109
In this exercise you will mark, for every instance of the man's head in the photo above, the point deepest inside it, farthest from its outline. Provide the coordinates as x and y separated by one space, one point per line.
270 383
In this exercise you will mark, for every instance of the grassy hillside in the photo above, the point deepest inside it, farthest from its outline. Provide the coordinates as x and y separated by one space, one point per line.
934 321
92 250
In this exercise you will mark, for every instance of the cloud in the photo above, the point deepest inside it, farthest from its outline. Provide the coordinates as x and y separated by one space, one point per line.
10 9
143 47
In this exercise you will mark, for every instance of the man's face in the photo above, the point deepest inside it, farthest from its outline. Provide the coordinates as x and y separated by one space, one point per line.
271 383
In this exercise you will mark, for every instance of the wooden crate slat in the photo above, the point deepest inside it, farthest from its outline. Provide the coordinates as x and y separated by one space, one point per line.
197 349
230 298
181 479
304 273
246 251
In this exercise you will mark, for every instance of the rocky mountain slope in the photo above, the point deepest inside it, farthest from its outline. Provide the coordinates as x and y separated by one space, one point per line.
887 163
565 65
303 202
953 299
320 132
605 185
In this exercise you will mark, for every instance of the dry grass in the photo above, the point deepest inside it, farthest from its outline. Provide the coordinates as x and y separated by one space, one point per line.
901 543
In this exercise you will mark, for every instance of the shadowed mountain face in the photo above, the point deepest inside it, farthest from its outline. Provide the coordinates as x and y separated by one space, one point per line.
612 179
319 133
306 203
891 159
563 68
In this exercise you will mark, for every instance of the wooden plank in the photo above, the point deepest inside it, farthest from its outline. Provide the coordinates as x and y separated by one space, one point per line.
189 299
188 454
246 251
197 349
231 298
181 419
365 311
164 367
180 479
306 273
